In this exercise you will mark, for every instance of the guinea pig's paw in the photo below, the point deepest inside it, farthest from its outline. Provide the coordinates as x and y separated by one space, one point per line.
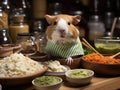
69 60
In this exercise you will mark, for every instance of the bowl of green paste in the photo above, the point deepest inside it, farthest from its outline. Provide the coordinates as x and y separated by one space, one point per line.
47 83
79 76
107 45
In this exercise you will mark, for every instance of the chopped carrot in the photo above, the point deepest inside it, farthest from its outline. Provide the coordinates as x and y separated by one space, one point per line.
98 59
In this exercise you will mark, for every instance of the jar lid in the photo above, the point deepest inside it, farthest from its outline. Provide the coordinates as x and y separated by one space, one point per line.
24 34
95 18
18 18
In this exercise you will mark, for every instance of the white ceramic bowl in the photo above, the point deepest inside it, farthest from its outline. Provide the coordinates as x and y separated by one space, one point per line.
47 83
58 74
79 76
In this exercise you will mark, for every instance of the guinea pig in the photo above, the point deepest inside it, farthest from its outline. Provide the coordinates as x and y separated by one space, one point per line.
63 37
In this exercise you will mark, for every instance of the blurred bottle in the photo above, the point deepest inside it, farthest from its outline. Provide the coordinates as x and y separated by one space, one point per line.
95 7
96 25
4 34
26 5
39 36
3 19
108 16
6 5
27 8
17 24
26 42
55 7
81 10
77 8
116 32
39 8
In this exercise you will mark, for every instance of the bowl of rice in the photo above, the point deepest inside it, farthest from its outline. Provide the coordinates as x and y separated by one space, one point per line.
18 69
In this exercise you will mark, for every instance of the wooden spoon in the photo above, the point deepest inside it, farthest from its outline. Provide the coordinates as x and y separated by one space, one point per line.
113 56
113 26
89 46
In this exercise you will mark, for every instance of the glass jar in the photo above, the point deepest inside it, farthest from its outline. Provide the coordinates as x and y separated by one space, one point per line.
96 27
18 25
40 41
26 42
3 19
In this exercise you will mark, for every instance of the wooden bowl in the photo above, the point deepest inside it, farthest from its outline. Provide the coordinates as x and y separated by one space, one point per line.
75 64
16 48
38 56
102 69
13 81
8 49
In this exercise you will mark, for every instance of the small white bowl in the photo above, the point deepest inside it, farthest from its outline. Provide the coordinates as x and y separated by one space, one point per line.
79 76
58 74
44 86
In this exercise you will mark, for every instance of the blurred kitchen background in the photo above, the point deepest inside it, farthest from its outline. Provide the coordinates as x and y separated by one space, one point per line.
96 21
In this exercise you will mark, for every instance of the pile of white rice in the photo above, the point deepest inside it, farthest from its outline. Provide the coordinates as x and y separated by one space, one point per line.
18 65
55 66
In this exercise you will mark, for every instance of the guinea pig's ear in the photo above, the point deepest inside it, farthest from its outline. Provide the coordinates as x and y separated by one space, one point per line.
49 18
76 19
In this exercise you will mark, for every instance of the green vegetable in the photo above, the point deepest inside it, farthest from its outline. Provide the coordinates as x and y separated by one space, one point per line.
79 73
88 51
46 80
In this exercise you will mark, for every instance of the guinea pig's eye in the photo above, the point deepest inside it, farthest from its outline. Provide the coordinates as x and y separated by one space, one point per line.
68 23
55 23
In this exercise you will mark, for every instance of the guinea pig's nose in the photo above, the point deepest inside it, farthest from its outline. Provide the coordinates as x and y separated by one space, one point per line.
62 33
62 30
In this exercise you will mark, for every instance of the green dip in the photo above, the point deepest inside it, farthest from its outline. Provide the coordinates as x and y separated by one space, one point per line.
46 80
110 48
79 73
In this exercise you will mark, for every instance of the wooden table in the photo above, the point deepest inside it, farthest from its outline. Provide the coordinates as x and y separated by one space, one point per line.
97 83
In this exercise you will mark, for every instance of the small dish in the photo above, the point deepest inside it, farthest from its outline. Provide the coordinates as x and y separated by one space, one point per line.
58 74
38 56
8 49
47 83
28 53
78 77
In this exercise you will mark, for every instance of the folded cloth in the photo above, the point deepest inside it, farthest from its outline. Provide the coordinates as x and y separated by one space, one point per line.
65 50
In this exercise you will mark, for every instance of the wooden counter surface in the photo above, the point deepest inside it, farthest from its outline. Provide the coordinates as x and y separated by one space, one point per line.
96 84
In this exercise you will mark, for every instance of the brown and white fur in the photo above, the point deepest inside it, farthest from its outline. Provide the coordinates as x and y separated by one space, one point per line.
62 29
